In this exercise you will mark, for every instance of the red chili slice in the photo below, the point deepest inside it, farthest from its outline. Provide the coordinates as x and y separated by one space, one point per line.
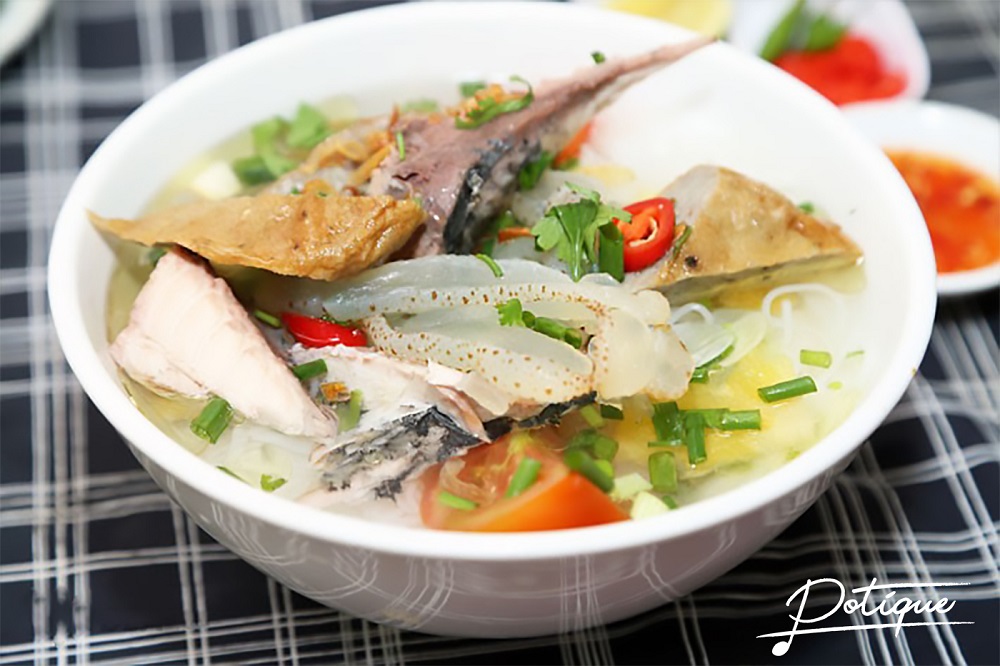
314 332
650 233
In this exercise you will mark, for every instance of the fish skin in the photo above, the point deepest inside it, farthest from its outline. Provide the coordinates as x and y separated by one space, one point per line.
550 414
742 233
379 460
317 234
187 334
464 178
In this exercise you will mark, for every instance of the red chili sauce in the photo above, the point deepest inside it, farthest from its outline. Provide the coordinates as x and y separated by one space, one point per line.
851 71
961 207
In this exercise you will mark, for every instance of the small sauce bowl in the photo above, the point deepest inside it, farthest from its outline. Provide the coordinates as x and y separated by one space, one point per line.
969 137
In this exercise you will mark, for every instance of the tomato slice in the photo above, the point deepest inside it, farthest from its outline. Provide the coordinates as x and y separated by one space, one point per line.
558 499
649 234
314 332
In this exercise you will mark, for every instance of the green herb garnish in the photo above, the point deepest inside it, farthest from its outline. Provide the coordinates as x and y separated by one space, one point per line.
271 483
400 146
470 88
310 369
267 318
819 359
524 476
598 57
532 170
571 229
488 108
308 128
349 413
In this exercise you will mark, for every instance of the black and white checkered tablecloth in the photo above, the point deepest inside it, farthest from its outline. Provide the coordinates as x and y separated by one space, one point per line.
97 565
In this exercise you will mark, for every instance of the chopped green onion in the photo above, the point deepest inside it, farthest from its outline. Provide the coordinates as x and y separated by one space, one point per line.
598 445
711 417
456 502
489 108
780 38
699 375
807 207
611 251
606 467
669 501
662 444
598 57
748 419
271 483
308 128
267 318
789 389
213 420
421 106
694 437
532 171
252 170
470 88
497 271
668 423
400 146
349 413
592 415
568 165
824 33
856 352
580 461
663 472
524 476
155 254
611 412
230 472
310 369
820 359
573 338
836 386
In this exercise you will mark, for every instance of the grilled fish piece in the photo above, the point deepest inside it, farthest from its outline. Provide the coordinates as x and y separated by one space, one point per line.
187 334
316 234
464 177
742 231
378 461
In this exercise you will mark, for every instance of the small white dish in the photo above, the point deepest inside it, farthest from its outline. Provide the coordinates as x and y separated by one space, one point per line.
19 19
970 137
886 24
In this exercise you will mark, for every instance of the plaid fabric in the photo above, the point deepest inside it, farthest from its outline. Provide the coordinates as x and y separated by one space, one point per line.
97 565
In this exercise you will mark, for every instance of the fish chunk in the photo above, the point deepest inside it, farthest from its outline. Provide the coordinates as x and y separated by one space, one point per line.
317 234
187 334
465 177
413 416
742 231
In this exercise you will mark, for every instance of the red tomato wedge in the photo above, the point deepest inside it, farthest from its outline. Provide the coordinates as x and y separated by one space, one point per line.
650 233
314 332
558 499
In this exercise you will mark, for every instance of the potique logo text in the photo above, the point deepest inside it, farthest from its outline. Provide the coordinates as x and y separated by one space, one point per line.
892 605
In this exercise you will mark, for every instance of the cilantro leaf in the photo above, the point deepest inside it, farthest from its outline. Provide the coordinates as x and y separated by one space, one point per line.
511 313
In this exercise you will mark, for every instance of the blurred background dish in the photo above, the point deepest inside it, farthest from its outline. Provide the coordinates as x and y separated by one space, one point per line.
848 50
950 157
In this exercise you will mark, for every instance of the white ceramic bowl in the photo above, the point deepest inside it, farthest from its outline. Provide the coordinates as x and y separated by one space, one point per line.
968 136
717 106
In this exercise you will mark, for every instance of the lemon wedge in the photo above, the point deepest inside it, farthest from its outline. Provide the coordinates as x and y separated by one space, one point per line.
709 17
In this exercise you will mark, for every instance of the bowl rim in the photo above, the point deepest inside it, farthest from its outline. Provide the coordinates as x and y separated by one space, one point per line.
914 113
149 443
